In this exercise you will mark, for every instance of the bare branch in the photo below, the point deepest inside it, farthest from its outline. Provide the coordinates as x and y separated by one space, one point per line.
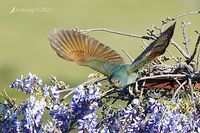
195 51
128 55
159 76
197 67
74 89
184 25
180 49
177 90
174 18
192 94
112 31
68 94
195 12
142 89
171 55
145 43
105 93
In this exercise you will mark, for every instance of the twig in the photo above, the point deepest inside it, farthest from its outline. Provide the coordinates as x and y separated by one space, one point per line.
115 32
184 66
141 92
185 14
74 89
197 32
174 18
195 51
192 94
143 47
184 25
158 76
128 55
180 49
68 94
197 67
180 86
171 55
64 90
106 92
144 43
190 39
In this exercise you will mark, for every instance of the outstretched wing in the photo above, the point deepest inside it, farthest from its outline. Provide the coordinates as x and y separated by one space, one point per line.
84 51
155 49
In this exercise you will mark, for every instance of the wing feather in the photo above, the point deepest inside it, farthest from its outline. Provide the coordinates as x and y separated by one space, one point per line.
84 51
155 49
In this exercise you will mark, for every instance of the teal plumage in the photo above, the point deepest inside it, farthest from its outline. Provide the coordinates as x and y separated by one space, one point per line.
86 51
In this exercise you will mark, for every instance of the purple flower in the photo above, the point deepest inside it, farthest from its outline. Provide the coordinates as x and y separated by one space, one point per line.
84 106
9 121
32 112
152 115
82 109
28 85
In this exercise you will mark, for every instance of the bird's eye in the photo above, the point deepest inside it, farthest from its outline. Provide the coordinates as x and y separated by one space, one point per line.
118 81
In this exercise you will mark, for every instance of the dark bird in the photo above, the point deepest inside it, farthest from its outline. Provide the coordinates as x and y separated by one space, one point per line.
86 51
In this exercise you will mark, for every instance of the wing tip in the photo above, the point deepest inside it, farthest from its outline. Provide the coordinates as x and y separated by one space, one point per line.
170 30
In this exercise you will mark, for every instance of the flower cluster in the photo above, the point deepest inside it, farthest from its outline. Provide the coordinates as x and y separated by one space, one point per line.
32 111
152 115
160 116
81 111
28 85
168 117
9 122
84 105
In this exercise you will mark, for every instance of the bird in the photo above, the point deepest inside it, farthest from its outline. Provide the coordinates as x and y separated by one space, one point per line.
86 51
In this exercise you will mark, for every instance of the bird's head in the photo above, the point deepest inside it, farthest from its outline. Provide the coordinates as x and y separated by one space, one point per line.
118 80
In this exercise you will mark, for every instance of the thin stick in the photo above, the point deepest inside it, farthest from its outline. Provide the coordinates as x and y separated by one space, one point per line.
115 32
174 18
158 76
74 89
184 35
142 89
197 67
145 43
128 55
105 93
195 51
68 94
192 94
185 14
180 49
171 55
68 89
180 86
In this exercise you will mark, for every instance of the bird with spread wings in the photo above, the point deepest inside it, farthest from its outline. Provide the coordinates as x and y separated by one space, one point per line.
86 51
